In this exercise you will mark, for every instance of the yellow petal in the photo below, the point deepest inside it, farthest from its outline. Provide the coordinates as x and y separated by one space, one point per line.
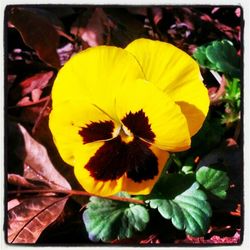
95 74
76 122
146 186
89 183
177 74
148 113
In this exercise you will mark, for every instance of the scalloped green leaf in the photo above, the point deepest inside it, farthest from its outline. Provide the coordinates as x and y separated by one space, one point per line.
220 56
201 56
213 180
188 211
107 220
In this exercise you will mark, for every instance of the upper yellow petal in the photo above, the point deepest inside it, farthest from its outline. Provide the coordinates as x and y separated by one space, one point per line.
95 74
177 74
150 114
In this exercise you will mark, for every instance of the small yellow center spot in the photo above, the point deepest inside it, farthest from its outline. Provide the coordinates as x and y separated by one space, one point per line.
125 136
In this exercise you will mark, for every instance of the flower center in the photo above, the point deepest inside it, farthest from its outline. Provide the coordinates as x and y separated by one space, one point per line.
138 123
126 135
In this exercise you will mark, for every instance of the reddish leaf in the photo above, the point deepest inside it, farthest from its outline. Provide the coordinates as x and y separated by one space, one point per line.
29 217
38 33
37 81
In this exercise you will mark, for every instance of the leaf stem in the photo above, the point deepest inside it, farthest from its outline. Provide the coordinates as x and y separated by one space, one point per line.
78 192
216 76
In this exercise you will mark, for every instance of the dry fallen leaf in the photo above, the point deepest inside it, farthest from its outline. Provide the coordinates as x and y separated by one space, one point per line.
93 32
38 165
38 33
19 180
29 217
37 81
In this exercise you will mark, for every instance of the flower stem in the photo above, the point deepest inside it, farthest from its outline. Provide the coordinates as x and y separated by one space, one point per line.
78 192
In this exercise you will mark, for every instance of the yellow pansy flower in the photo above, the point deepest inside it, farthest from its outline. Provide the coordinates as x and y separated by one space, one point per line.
116 113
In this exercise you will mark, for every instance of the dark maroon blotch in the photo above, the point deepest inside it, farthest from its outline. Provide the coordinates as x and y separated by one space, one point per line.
139 125
116 157
97 131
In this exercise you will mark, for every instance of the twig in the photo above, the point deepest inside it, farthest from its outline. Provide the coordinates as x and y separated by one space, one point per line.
39 118
62 33
77 192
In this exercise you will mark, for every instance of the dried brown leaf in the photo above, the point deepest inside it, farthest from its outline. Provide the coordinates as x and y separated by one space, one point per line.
36 94
12 203
215 98
19 180
157 14
53 19
38 33
235 239
24 101
141 11
93 31
38 164
37 81
29 217
126 27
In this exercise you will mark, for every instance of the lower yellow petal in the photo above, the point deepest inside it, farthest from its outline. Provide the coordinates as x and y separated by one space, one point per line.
88 182
146 186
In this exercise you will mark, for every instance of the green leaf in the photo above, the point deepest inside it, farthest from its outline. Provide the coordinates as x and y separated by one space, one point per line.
211 129
107 220
233 94
188 211
171 185
214 180
201 56
220 56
